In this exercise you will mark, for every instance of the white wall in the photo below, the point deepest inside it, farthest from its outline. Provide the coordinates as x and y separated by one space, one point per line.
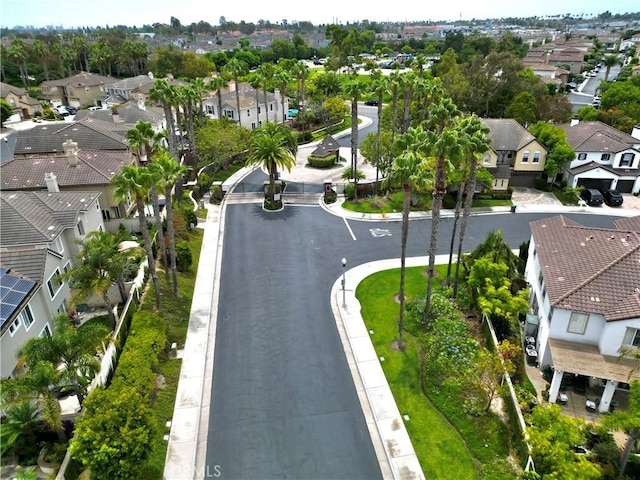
613 334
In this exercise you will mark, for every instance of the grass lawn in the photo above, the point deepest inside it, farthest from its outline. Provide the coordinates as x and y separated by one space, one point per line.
491 203
440 449
222 175
386 205
567 197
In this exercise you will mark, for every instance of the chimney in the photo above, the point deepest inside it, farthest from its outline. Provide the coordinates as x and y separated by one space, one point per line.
575 121
635 133
52 182
71 151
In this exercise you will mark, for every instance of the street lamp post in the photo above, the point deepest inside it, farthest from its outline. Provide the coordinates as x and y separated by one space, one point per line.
344 301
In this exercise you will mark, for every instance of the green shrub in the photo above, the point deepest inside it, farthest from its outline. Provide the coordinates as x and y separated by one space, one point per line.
448 202
184 258
330 197
349 191
321 162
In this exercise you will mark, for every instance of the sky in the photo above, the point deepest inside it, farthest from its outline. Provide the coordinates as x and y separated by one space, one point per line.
76 13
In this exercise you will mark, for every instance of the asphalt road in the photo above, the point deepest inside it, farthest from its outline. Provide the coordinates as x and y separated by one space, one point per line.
283 401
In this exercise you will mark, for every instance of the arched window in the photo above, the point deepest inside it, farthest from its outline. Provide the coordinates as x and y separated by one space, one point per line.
536 156
525 156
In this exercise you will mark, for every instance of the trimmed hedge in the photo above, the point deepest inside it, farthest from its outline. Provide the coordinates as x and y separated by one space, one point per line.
321 162
139 359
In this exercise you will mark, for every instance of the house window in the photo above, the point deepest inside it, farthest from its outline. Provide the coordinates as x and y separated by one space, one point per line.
605 157
80 227
271 107
58 245
87 89
509 154
116 212
525 156
210 110
626 160
62 308
26 315
45 331
106 215
13 328
97 206
578 323
487 158
54 284
229 114
582 156
253 125
536 157
248 113
632 337
259 110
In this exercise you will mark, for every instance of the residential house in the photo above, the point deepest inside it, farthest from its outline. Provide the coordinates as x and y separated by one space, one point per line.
80 90
251 115
605 157
38 241
135 89
75 169
516 158
21 103
89 133
127 114
585 291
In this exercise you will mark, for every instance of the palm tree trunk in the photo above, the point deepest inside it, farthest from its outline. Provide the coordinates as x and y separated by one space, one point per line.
354 147
470 187
161 246
403 256
219 95
172 239
406 108
628 447
147 245
456 217
438 193
272 182
266 104
378 136
238 101
171 131
112 317
257 107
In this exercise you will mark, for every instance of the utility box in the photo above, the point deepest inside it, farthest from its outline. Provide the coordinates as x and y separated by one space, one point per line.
328 187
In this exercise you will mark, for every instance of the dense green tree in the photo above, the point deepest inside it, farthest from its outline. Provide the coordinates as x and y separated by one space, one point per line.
235 68
113 436
627 421
162 93
5 111
523 108
218 140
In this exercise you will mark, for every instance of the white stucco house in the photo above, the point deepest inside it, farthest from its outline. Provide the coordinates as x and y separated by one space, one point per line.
605 157
38 242
585 291
253 111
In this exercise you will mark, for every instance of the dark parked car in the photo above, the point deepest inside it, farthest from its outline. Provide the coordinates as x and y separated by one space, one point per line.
613 198
591 196
72 110
371 102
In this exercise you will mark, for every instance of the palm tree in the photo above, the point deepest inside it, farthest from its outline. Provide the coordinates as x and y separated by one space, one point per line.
379 86
199 89
476 143
100 265
42 53
282 78
169 171
236 68
394 82
71 351
354 88
255 80
408 84
301 70
18 51
162 93
409 170
137 181
628 421
217 83
444 145
273 145
266 71
610 61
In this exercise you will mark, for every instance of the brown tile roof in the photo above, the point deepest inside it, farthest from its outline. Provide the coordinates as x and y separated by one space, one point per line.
95 167
597 137
589 269
82 79
507 134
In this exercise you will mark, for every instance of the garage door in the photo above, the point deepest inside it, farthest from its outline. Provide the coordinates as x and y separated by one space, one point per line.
597 183
625 186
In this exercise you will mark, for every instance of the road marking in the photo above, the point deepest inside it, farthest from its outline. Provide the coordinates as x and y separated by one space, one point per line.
380 232
349 228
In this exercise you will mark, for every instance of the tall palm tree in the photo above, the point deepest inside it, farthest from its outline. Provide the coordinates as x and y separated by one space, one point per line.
379 86
475 143
354 89
395 81
18 51
444 145
255 80
162 93
42 53
408 84
136 181
217 83
236 68
100 265
273 146
169 171
282 78
301 70
266 71
199 89
409 170
610 61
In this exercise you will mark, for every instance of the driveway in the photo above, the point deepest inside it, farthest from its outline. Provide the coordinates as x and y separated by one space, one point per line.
531 196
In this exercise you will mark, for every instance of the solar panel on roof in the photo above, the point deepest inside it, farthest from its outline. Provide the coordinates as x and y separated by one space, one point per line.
13 291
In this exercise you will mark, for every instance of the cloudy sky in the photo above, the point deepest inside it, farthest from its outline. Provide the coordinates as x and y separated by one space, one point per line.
73 13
